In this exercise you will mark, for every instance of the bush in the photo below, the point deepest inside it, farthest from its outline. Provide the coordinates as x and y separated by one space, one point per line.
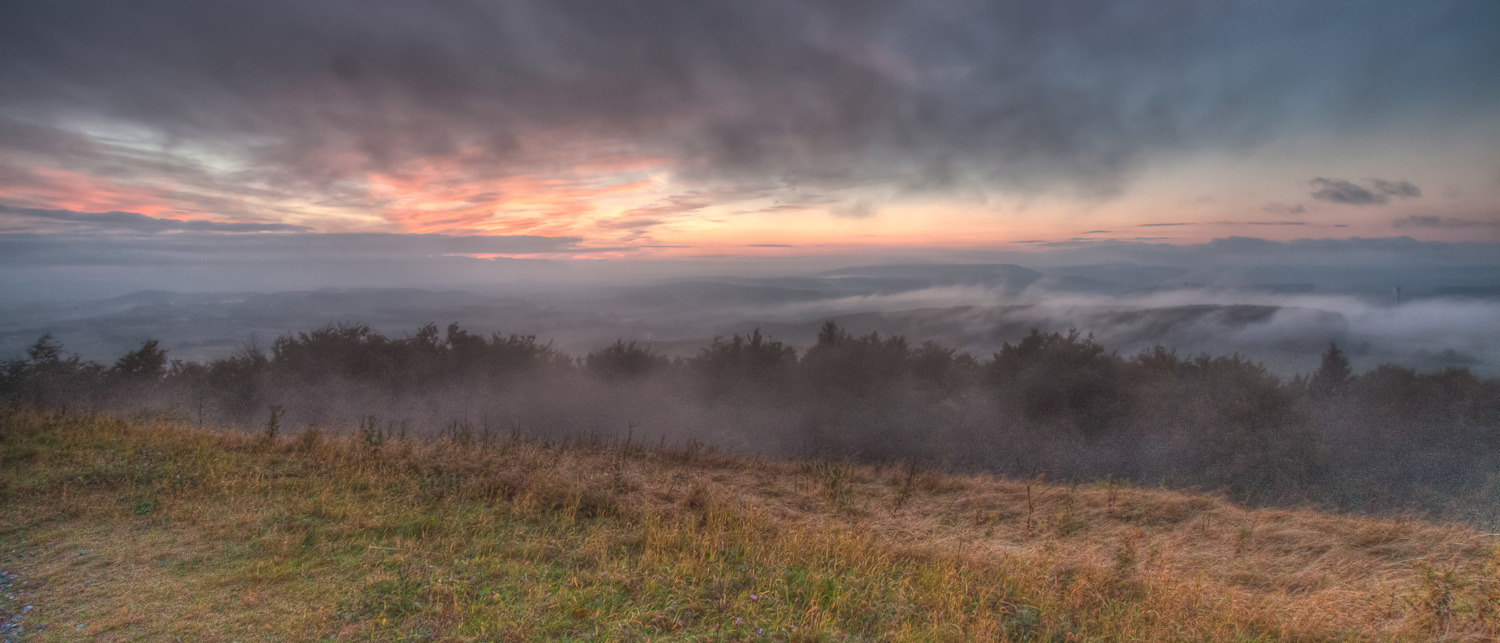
623 360
1061 377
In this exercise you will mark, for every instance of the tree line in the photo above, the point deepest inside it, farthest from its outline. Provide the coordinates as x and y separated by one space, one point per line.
1055 404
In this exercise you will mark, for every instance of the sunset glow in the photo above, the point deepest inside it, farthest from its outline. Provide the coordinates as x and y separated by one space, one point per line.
810 133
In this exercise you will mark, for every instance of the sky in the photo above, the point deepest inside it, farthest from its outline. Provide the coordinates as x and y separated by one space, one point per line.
358 136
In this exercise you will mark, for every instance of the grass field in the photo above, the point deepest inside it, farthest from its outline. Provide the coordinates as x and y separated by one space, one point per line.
149 530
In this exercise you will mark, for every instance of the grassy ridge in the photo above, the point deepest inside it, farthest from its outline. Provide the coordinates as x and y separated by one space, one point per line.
149 530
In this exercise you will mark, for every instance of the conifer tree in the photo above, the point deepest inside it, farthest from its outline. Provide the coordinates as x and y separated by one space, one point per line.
1332 374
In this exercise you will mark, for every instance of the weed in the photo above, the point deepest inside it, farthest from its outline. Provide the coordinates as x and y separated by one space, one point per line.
836 478
1433 598
273 424
370 433
907 484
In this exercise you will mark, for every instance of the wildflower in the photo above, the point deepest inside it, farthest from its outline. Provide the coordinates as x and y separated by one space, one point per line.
738 620
754 597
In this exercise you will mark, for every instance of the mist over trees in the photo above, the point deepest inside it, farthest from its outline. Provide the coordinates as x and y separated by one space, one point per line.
1053 404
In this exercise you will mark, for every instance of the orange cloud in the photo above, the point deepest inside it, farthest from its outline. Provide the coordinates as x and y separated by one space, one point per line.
451 195
58 189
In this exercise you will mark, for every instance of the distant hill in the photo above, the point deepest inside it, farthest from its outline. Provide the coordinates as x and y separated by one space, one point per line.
710 293
1123 273
1005 276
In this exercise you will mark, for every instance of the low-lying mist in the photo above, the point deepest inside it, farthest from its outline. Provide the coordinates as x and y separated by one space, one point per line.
974 308
1283 330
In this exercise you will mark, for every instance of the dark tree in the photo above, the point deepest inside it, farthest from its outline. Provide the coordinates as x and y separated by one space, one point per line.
843 364
1333 374
1056 376
149 363
623 360
47 378
749 359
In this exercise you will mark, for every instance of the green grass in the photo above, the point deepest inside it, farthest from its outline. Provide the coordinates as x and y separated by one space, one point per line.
227 537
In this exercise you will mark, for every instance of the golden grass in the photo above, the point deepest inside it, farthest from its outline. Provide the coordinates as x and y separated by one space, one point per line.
149 530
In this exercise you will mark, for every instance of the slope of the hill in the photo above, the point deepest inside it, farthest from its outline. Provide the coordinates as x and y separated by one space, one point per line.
148 530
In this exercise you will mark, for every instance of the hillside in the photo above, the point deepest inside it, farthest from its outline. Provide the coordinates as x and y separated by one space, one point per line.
148 530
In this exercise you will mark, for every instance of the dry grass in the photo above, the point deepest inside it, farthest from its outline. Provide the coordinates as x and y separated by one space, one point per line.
125 530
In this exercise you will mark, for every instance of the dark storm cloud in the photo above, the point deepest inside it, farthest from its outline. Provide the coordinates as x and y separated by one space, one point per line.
131 221
1348 193
928 95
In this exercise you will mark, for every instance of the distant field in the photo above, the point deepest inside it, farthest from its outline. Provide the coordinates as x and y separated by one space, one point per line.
144 529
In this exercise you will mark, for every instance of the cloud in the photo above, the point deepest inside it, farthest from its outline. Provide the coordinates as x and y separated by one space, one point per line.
1071 97
1284 208
628 224
771 245
794 202
1347 193
1341 191
679 204
194 247
860 209
1161 225
1259 223
129 239
1419 221
134 222
1402 189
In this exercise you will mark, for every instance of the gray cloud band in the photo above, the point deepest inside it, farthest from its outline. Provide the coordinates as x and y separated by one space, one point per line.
1067 95
1380 191
131 221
